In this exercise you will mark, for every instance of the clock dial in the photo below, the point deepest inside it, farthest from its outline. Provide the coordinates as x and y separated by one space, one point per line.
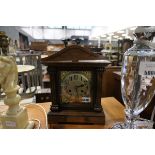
75 86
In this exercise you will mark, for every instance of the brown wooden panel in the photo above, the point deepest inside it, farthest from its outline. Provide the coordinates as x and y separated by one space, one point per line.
39 46
76 117
108 81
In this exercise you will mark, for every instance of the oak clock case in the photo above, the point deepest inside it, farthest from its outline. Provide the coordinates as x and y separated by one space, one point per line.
76 85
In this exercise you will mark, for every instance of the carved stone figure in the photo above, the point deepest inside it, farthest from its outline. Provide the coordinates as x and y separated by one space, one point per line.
16 116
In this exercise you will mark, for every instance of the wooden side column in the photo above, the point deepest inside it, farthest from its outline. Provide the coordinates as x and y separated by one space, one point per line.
54 89
97 77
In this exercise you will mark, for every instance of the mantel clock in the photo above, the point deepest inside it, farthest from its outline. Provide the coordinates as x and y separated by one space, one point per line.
76 80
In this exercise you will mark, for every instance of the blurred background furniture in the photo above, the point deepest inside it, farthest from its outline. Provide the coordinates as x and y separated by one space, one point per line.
123 46
4 43
30 72
39 45
27 80
34 59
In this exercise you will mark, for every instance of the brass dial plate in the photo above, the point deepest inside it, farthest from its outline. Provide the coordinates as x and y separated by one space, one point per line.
75 86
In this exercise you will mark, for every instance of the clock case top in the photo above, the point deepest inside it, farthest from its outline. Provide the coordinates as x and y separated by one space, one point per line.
75 58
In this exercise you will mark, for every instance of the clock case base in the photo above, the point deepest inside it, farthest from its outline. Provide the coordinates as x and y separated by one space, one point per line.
75 117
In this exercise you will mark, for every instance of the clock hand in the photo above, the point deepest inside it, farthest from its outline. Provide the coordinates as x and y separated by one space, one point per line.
79 86
76 88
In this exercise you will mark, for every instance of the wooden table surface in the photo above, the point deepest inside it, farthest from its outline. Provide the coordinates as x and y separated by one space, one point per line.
25 68
114 112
